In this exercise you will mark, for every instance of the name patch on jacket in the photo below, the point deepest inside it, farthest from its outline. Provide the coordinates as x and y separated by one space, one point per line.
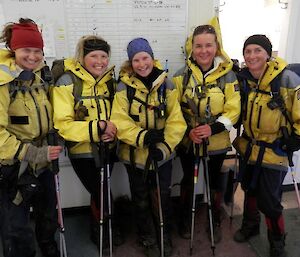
19 120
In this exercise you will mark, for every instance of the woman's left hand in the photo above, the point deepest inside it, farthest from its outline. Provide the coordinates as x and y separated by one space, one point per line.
204 131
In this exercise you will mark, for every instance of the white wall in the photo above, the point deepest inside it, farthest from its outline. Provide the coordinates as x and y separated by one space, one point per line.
242 18
290 38
200 12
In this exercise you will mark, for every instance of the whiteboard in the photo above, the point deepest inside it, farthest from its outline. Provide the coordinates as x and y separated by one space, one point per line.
63 22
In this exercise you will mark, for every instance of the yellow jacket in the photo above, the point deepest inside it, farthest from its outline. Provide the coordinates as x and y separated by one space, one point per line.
219 89
95 97
263 124
131 131
25 111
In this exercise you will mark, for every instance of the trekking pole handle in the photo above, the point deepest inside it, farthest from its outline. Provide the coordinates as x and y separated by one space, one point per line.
285 135
53 140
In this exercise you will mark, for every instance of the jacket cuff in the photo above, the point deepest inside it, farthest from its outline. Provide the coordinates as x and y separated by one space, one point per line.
94 131
164 149
217 128
22 152
140 138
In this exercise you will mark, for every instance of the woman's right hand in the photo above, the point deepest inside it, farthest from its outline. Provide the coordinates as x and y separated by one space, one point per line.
53 152
194 135
110 131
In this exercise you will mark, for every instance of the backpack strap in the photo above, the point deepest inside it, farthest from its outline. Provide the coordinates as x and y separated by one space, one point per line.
111 89
130 95
161 98
186 78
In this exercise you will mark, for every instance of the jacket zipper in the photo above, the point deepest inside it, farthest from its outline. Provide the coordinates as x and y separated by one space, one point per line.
259 115
38 113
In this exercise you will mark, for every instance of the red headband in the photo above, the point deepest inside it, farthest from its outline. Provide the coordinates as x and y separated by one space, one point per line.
26 35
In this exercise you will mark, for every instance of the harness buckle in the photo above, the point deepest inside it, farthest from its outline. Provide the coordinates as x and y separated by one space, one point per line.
253 141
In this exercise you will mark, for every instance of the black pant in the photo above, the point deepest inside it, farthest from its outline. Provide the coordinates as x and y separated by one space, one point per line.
268 190
216 180
89 176
17 235
215 163
144 195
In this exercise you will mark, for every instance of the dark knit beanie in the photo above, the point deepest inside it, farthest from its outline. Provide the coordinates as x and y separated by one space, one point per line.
26 35
260 40
94 44
138 45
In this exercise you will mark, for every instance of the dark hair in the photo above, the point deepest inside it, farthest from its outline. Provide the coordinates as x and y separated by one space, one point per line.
204 29
7 31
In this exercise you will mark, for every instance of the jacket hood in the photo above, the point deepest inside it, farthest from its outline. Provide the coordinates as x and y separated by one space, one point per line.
221 68
273 68
220 52
83 74
8 68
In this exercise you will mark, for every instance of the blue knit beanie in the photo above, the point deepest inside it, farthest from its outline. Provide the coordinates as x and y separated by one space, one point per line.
138 45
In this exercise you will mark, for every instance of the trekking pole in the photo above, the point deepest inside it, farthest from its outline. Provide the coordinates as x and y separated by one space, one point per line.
196 173
195 110
235 182
291 164
209 205
205 167
109 199
161 221
53 140
99 162
101 196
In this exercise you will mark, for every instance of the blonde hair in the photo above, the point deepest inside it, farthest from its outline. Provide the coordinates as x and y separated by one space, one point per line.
127 68
79 52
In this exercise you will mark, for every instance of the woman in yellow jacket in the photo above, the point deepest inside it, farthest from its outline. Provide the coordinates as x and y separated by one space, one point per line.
210 101
271 121
25 120
82 99
150 125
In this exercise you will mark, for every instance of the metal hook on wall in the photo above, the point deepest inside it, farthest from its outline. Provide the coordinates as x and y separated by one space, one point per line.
285 4
218 9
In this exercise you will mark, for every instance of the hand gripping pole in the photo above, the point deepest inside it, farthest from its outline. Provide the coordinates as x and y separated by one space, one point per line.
53 140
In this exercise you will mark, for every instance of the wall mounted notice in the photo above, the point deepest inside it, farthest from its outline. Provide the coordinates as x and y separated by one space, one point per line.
63 22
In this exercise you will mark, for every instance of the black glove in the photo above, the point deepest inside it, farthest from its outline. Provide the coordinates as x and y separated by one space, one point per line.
156 154
291 143
153 136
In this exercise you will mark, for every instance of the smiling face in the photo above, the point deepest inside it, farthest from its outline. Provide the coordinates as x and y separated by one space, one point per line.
142 64
255 58
96 62
28 58
204 50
